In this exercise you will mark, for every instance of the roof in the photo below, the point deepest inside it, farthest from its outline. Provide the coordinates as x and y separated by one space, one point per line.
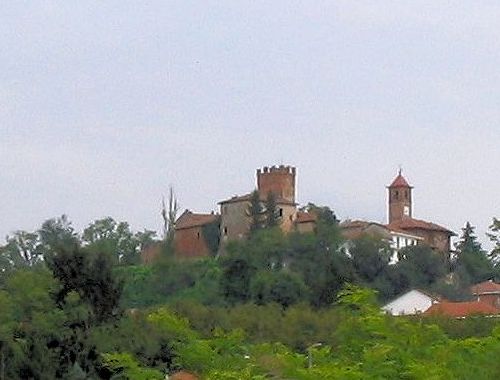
354 229
305 217
486 287
462 309
359 224
416 224
183 375
400 181
247 197
189 219
433 297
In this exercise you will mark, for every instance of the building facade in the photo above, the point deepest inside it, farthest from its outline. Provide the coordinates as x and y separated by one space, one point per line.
400 218
190 238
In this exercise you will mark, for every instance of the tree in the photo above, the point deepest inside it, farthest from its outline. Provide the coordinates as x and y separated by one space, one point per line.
56 233
237 273
472 265
169 216
494 236
211 234
255 212
90 275
282 287
22 249
419 266
468 240
271 212
370 257
114 238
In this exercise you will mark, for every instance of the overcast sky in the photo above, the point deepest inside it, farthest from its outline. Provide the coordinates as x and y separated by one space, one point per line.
104 104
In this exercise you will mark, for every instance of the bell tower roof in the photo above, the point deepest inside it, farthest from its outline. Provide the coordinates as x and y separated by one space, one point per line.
400 181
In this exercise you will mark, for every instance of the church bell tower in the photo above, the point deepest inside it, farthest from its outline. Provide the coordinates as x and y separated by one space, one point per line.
400 199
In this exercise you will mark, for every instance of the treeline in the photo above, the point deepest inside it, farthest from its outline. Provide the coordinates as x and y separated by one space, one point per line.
271 267
80 306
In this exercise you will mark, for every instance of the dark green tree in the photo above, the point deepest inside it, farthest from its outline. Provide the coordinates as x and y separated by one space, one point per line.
90 275
370 257
255 212
283 287
211 234
494 236
472 265
271 211
419 266
57 233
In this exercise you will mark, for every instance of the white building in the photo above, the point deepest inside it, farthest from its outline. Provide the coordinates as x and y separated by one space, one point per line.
410 303
400 240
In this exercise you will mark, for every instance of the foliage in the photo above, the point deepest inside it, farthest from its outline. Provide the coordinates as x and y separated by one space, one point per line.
256 213
124 366
494 236
211 232
472 265
271 211
274 306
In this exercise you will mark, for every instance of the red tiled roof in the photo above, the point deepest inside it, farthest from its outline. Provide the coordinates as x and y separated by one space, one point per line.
413 224
354 224
305 217
399 181
189 220
183 375
486 287
461 309
247 197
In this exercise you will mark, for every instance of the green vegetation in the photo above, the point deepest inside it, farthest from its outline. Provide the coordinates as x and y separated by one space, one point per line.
297 306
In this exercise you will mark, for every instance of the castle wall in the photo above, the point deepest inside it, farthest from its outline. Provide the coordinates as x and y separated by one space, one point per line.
235 222
190 242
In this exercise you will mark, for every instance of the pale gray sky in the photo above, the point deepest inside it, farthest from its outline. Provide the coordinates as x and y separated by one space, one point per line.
104 104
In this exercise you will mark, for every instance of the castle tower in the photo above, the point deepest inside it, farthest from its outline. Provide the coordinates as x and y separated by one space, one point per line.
279 180
400 199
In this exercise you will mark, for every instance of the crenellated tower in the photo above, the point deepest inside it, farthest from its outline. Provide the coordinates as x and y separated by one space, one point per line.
279 180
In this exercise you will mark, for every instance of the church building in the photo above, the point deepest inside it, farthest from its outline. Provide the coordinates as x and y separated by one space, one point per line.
400 212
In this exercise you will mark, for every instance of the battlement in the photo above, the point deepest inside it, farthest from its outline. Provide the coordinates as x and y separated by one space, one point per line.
277 169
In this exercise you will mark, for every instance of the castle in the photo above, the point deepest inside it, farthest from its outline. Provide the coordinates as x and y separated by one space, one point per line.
233 220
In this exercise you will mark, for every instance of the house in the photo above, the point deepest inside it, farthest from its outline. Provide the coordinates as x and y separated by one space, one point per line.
190 238
396 239
305 222
462 309
410 303
488 292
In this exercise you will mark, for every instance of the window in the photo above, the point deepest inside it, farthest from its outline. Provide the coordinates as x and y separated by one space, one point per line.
225 231
281 212
198 235
396 195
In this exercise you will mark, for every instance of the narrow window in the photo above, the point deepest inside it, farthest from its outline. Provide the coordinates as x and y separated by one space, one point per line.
198 235
225 231
281 212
